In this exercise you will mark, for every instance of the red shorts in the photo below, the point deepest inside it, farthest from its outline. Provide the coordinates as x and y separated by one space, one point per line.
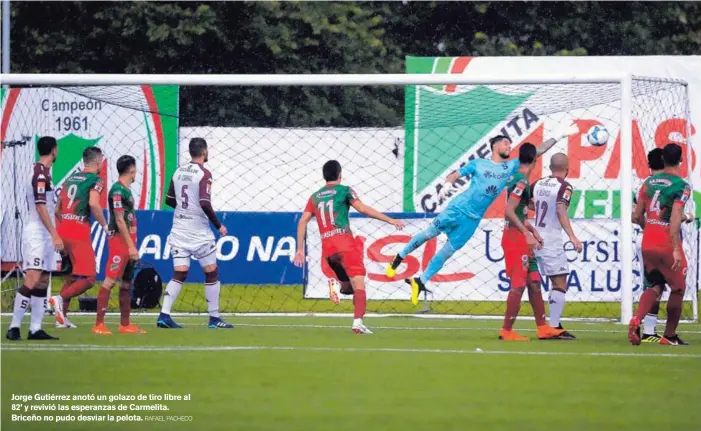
118 261
658 262
347 263
518 259
78 246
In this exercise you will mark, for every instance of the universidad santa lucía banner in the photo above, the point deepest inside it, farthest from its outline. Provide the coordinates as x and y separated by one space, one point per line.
141 121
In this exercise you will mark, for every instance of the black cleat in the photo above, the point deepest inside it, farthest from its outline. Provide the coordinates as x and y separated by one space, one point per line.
674 340
565 335
13 334
40 335
392 268
417 286
651 339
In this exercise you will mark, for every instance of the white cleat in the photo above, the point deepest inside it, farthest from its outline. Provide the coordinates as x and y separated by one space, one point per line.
56 302
359 328
66 324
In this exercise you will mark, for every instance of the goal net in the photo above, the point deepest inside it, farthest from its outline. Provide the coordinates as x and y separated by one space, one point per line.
263 177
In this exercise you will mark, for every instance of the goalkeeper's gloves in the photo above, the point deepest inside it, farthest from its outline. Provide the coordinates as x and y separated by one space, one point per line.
447 188
564 130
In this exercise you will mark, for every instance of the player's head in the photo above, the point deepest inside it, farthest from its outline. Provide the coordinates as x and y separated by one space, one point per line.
672 156
332 171
526 156
126 166
47 146
198 149
92 158
655 161
500 145
560 164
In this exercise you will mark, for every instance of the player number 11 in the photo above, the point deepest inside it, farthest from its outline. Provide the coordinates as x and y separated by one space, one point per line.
322 213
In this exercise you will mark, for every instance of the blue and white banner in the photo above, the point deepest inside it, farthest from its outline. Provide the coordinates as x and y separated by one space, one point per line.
258 249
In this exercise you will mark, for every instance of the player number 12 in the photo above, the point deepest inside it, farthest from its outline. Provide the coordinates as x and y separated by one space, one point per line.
322 213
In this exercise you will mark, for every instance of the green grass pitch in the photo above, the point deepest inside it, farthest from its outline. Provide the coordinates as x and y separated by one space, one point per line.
312 373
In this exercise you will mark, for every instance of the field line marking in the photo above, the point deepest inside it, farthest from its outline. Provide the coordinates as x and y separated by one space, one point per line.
105 348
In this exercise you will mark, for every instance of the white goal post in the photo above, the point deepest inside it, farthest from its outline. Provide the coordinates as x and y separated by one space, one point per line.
625 81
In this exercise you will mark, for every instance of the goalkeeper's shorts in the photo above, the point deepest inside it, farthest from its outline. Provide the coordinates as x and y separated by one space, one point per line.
457 226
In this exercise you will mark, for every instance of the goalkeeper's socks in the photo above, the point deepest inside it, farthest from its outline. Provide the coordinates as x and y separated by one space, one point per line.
359 304
557 304
171 294
211 293
417 240
650 320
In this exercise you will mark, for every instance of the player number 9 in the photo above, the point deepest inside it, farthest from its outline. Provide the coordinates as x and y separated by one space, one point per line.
71 192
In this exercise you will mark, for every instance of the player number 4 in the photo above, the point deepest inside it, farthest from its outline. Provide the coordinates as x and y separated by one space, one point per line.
322 212
655 203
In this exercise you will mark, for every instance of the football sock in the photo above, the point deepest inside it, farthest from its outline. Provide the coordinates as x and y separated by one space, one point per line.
76 288
430 232
38 308
557 304
172 290
437 262
124 303
650 320
22 300
674 312
359 304
211 292
647 301
538 305
513 305
103 298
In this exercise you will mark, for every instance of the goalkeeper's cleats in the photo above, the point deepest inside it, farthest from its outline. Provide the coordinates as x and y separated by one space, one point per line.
674 340
101 329
511 336
547 332
392 268
130 329
40 335
634 331
165 321
13 334
333 296
359 328
651 339
217 322
417 286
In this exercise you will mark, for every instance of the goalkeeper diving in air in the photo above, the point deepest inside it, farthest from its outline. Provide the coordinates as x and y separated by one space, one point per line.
460 219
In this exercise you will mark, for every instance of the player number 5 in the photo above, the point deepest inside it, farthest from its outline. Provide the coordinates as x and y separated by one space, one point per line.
183 196
322 213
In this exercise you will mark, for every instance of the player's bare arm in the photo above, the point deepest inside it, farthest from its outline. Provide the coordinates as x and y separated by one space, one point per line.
124 232
534 232
96 208
675 223
639 210
511 216
564 219
301 236
170 196
373 213
45 218
561 133
206 204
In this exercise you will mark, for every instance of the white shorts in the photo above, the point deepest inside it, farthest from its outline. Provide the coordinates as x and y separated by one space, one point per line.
38 252
552 261
182 252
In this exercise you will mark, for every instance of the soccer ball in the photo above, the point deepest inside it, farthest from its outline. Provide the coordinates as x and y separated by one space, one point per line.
598 136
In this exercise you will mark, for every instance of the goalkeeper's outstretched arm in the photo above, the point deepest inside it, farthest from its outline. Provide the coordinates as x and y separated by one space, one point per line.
559 134
373 213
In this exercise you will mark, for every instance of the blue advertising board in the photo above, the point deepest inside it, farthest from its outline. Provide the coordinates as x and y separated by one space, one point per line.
258 248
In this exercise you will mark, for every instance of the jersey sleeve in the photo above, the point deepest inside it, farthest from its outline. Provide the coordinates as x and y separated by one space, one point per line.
564 194
206 186
39 185
116 198
519 188
310 206
682 194
352 196
98 185
469 169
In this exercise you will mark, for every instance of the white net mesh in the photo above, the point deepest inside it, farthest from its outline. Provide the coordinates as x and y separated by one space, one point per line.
264 176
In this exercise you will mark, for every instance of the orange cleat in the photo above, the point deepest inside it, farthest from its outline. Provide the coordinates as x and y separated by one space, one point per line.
130 329
101 329
511 336
634 331
547 332
333 296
